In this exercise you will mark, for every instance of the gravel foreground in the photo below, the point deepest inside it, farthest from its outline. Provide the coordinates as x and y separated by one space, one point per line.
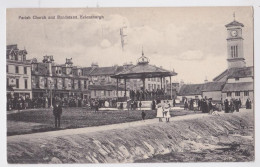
191 138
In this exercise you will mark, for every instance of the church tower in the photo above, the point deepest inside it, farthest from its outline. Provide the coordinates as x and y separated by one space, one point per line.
235 53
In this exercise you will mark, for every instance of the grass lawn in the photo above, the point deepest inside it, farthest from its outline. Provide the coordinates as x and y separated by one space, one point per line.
43 120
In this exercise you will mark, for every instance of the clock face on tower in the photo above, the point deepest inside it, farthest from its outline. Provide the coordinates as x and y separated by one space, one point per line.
233 33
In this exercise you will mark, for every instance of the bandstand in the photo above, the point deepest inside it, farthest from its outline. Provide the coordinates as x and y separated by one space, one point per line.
143 70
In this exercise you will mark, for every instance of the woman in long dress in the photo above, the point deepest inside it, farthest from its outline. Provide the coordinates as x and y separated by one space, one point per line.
159 112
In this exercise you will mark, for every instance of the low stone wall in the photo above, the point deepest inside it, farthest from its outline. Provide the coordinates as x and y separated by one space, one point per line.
136 143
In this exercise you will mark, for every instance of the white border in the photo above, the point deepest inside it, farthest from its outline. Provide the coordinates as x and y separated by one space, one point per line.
126 3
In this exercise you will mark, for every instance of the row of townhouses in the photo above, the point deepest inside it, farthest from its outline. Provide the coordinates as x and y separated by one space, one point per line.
33 78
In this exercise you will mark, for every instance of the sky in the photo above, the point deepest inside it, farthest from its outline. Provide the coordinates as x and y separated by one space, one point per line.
190 41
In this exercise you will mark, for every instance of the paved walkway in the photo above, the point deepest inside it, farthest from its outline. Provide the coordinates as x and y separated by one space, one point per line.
98 128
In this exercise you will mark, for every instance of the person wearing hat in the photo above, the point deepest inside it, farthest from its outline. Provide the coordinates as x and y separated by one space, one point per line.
57 111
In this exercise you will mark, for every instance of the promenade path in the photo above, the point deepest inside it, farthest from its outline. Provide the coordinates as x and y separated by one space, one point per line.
94 129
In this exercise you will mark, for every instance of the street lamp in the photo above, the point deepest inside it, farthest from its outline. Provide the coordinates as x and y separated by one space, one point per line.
51 93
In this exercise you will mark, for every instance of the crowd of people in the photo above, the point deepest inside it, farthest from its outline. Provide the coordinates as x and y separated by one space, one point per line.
147 94
207 106
235 104
21 103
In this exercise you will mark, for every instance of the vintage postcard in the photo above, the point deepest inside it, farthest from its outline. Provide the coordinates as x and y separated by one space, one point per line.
130 85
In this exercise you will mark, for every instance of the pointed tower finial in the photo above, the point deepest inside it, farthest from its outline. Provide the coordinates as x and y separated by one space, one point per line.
142 51
234 15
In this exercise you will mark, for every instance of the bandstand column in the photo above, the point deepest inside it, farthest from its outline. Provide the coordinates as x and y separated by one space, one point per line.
143 83
164 84
125 87
117 88
161 82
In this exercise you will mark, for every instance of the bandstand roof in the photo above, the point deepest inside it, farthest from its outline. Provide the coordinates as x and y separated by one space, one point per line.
143 70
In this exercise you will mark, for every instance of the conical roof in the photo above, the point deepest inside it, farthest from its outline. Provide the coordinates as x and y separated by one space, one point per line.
144 70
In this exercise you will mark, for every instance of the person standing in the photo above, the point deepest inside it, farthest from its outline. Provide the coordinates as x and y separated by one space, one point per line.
173 102
237 104
247 104
57 111
226 106
210 107
185 104
167 111
159 112
191 104
143 115
250 103
140 105
232 107
153 105
199 105
96 105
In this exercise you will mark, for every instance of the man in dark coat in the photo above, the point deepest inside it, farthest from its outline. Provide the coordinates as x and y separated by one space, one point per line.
226 106
173 102
140 105
57 111
153 105
199 105
237 104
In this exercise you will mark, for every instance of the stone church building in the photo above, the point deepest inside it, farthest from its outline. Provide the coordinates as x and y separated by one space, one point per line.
237 81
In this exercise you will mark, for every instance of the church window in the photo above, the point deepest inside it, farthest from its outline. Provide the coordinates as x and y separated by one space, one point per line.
234 51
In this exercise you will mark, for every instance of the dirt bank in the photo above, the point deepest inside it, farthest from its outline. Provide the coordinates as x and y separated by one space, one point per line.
205 134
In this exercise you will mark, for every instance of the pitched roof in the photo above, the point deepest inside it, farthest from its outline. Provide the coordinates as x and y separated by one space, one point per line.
197 89
234 23
213 86
242 86
87 70
242 72
103 71
104 87
191 89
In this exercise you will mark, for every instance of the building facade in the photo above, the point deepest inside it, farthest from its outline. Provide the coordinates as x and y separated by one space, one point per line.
101 77
58 80
18 73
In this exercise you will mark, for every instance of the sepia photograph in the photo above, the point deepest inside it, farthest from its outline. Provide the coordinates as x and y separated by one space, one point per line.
130 85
